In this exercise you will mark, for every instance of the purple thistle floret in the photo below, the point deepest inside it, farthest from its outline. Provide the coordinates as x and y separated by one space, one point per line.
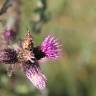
9 35
8 56
34 74
50 47
11 29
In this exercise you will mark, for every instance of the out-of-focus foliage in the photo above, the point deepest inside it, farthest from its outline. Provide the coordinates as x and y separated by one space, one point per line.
74 73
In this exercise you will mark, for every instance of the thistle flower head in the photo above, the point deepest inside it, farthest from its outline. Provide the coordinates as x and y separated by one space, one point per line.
34 74
28 42
9 35
8 56
28 55
50 47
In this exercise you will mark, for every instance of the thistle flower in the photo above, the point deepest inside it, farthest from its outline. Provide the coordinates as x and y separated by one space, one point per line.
30 64
50 47
8 56
10 30
27 42
9 35
35 75
28 57
12 24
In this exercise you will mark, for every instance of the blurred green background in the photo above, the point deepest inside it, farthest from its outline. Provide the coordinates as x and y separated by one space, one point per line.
73 22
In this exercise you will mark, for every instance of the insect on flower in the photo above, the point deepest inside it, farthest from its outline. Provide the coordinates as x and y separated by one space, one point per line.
27 58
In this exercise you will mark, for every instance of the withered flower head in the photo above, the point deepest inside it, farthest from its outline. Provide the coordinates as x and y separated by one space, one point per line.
28 42
25 55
